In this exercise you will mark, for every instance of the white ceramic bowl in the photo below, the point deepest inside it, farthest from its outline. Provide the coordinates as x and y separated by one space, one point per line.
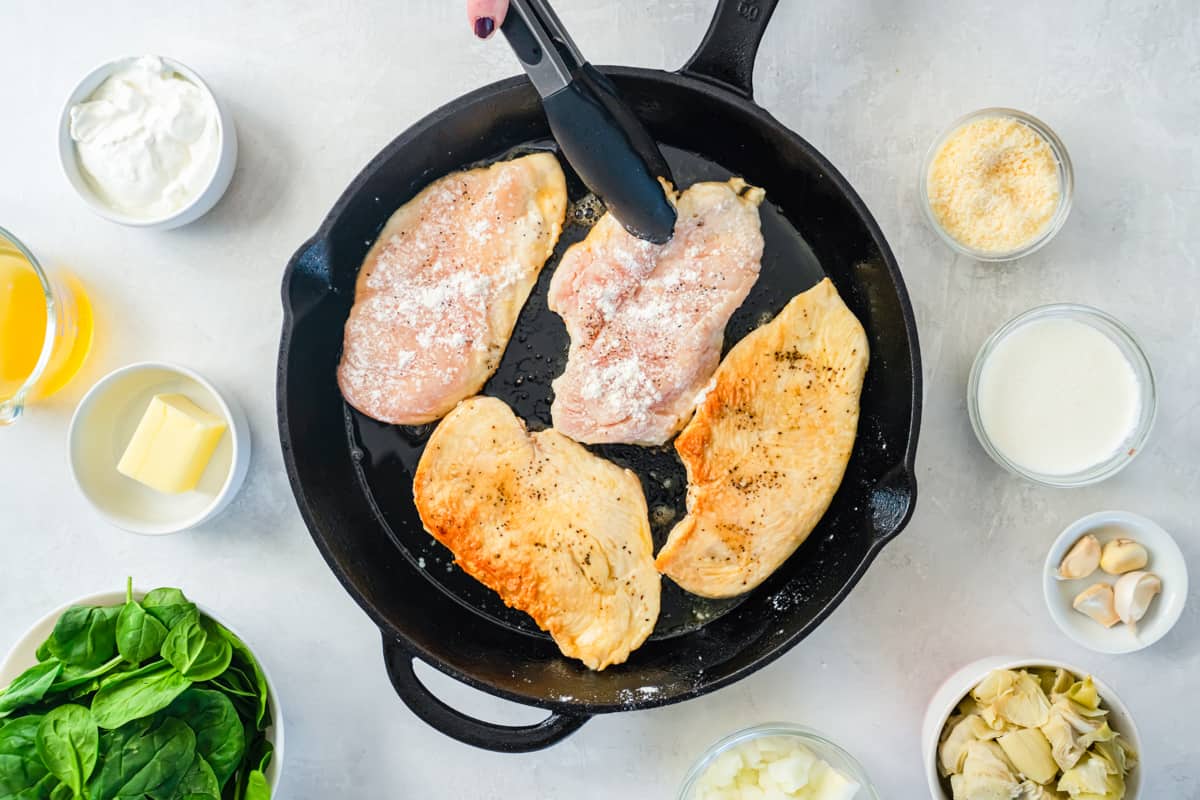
104 423
1166 561
821 747
958 685
201 204
22 656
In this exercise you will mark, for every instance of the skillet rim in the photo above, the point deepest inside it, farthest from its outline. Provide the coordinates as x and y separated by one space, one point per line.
904 470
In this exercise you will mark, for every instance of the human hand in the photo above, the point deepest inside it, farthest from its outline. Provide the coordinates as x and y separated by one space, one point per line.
486 16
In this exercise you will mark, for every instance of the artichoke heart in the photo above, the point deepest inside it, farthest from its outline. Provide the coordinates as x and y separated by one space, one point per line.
1063 681
995 684
987 775
953 749
1035 791
1065 750
1117 753
1092 779
1084 693
1024 704
1036 734
1029 752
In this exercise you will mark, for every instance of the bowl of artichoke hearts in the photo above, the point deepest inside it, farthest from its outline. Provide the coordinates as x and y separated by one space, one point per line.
1029 729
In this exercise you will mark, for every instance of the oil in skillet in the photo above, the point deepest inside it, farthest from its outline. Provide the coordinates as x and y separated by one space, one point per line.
387 455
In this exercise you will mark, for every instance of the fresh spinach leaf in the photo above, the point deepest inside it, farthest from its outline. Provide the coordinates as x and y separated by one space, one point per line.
197 650
63 792
219 735
168 606
245 660
143 757
85 636
258 757
75 677
198 783
43 651
233 681
257 787
30 686
137 694
68 743
139 635
22 773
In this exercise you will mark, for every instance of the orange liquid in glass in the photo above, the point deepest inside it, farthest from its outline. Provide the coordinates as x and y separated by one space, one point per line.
24 315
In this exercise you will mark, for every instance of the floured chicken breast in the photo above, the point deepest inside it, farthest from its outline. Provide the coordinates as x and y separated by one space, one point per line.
647 321
768 446
441 288
559 533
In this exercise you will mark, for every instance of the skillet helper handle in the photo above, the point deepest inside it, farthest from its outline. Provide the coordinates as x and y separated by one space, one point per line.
599 135
468 730
892 503
727 53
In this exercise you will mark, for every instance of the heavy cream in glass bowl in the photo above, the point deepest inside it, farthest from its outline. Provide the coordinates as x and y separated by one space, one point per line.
1062 395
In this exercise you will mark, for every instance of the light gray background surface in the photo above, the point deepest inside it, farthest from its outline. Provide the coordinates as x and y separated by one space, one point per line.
317 88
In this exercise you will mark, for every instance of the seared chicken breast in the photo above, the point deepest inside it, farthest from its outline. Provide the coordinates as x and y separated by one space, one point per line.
647 321
768 446
441 288
559 533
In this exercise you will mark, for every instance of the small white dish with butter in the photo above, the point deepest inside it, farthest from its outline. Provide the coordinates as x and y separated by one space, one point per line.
145 143
156 449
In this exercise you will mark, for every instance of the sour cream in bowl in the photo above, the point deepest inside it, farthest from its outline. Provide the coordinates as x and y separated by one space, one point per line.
146 143
1062 395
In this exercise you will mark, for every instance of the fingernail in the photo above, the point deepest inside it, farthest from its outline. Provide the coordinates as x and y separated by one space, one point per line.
484 26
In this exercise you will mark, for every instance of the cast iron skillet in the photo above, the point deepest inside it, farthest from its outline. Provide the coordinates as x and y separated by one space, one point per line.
352 476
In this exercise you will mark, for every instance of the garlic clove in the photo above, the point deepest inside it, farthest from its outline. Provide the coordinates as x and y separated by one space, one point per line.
1081 560
1098 602
1123 555
1133 593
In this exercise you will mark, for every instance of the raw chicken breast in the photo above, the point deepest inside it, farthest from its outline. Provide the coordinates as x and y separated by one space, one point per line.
647 321
440 290
558 532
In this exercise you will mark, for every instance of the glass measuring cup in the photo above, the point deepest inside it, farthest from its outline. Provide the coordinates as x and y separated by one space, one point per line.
45 329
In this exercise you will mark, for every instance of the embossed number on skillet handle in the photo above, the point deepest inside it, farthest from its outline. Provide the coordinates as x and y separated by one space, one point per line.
726 56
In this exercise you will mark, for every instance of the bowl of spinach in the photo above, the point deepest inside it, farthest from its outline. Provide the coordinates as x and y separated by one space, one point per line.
136 695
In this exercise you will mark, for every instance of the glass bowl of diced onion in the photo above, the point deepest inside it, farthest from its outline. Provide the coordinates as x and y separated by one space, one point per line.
777 760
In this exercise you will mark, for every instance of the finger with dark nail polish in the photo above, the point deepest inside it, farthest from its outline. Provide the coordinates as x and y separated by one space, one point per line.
484 27
486 16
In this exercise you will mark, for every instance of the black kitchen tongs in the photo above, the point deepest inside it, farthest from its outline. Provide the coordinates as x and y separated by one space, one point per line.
599 135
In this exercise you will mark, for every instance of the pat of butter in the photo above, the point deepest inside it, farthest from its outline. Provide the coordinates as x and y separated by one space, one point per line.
172 444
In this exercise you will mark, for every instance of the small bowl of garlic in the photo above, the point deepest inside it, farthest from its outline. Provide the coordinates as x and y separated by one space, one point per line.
1115 582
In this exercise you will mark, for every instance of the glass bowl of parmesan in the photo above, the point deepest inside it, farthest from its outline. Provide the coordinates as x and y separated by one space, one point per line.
778 760
997 184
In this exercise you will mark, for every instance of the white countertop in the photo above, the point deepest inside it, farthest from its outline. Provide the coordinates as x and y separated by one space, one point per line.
317 88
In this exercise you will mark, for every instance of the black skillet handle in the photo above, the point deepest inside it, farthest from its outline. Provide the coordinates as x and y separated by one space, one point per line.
726 56
468 730
892 503
307 279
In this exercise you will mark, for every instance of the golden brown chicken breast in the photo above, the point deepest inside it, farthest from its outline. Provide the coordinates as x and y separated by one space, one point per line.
559 533
768 446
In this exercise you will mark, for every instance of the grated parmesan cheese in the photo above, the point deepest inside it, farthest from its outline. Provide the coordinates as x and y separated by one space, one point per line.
993 185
